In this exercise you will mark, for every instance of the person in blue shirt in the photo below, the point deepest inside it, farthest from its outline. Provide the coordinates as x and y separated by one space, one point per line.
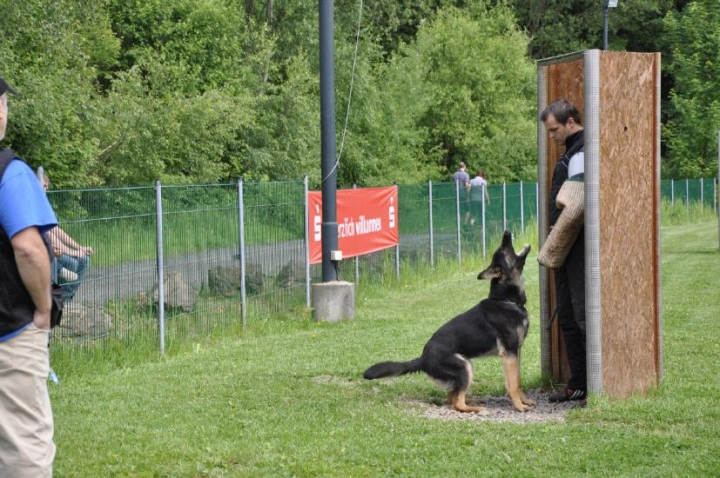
26 423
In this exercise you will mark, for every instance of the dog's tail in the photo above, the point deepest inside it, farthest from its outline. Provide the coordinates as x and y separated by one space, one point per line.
392 369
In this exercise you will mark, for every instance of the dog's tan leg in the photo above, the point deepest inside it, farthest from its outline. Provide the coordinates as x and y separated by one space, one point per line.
511 366
523 398
452 396
459 394
461 406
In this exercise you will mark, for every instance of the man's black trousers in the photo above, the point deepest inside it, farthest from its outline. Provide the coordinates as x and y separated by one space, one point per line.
570 297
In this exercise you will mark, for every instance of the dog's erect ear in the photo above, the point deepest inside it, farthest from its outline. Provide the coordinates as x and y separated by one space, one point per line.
490 273
525 251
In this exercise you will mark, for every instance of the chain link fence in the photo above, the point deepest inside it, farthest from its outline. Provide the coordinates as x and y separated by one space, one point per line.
230 253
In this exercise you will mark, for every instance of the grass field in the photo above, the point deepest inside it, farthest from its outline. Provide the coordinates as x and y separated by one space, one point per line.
286 397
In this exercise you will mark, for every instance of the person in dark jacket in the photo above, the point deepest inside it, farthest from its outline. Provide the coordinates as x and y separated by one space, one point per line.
26 424
564 126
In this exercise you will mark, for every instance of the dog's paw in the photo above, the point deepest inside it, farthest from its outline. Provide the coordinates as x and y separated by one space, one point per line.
523 404
528 401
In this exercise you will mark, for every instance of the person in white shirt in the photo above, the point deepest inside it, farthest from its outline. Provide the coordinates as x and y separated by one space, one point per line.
479 196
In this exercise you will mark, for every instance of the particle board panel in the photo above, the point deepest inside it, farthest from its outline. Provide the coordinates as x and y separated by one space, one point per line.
628 215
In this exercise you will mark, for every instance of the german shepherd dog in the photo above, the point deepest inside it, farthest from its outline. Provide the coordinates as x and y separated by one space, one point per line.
497 325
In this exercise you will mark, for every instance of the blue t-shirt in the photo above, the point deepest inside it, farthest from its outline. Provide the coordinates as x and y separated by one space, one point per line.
461 177
23 203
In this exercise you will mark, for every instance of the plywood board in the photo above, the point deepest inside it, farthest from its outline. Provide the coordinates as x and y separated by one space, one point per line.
628 215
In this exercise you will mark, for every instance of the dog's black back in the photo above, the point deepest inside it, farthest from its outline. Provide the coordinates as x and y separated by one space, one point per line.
495 326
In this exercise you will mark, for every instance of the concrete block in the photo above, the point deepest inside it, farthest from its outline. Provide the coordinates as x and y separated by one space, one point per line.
333 301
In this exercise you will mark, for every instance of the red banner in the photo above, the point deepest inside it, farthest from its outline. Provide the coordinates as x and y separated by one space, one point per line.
367 221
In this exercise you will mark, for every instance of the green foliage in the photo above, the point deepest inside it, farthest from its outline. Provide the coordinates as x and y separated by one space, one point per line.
127 92
53 53
691 132
565 26
482 92
170 138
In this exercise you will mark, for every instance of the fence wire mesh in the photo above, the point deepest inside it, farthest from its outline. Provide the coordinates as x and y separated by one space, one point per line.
210 234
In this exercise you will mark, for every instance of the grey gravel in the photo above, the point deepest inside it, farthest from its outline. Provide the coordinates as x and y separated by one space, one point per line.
500 409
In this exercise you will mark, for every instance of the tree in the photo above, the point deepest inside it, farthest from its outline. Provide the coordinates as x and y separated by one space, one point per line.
694 108
53 53
564 26
482 92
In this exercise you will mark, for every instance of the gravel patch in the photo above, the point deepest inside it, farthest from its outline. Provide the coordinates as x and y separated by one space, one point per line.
497 408
500 409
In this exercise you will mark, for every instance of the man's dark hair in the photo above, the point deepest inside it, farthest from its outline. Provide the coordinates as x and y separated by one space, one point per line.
562 110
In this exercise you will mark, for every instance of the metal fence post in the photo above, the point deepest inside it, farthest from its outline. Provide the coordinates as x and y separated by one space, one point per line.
357 259
687 196
482 198
430 218
504 208
522 209
672 192
241 232
306 189
397 247
397 261
160 265
702 193
457 220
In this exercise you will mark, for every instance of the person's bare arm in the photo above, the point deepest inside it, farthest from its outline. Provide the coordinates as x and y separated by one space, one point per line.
67 244
33 264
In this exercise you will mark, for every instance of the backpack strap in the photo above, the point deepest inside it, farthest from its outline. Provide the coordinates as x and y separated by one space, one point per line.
6 155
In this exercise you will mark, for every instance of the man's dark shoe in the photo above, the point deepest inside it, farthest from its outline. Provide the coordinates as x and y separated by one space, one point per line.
567 395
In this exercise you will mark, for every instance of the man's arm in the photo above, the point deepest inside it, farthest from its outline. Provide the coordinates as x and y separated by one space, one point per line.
33 264
69 245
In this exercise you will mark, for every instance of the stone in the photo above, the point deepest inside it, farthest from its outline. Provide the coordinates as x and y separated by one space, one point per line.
80 321
291 275
225 280
178 294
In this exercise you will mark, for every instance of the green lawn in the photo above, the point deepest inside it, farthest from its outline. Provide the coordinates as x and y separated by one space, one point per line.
286 398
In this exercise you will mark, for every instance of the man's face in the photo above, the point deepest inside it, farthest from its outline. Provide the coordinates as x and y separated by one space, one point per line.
3 115
558 131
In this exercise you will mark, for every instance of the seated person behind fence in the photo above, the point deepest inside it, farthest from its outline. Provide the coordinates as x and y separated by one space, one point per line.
71 259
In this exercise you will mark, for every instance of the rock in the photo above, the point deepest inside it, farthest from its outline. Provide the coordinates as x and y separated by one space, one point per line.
225 280
80 321
178 294
254 279
291 275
